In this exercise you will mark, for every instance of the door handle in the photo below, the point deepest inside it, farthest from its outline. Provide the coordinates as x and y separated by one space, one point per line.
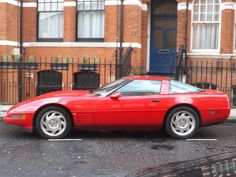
156 101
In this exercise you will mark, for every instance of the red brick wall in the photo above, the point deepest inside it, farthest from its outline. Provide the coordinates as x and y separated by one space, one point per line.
9 24
227 31
70 24
30 24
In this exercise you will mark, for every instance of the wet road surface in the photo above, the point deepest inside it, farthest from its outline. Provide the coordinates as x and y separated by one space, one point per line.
105 154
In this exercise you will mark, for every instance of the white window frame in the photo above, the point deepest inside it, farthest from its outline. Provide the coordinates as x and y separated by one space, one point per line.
205 51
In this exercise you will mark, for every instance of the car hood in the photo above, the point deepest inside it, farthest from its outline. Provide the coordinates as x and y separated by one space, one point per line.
59 94
65 93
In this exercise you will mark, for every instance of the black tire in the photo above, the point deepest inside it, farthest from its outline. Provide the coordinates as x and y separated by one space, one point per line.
64 119
175 131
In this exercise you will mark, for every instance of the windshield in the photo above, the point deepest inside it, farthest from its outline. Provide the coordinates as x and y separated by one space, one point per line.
110 87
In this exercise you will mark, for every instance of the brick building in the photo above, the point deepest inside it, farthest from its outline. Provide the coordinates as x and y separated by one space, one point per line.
155 29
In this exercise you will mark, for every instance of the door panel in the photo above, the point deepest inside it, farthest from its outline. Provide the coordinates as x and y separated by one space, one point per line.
129 111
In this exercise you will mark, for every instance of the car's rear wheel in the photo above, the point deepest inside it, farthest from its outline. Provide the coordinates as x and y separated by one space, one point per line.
53 122
182 122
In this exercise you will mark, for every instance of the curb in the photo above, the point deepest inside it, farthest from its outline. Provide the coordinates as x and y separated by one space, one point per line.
231 120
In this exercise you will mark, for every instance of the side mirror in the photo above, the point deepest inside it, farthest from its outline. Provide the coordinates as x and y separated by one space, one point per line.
115 95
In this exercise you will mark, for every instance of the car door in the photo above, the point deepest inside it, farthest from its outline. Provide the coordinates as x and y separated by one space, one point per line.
139 104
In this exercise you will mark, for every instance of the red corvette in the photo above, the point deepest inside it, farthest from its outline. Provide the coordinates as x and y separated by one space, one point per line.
132 102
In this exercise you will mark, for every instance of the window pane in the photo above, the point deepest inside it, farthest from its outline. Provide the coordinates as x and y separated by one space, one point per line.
80 5
165 23
47 6
91 24
158 39
164 7
205 36
51 25
206 24
141 87
94 5
40 6
90 19
54 6
170 39
179 87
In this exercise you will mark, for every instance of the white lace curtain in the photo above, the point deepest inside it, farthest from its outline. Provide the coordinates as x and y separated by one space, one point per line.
205 24
90 19
51 25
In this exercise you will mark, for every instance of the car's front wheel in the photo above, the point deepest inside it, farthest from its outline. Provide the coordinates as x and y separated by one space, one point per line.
53 122
182 122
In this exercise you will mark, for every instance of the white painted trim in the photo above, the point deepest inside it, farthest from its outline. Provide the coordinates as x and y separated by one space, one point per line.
13 2
183 6
211 55
16 3
8 43
29 4
70 44
144 7
69 4
227 5
80 44
127 2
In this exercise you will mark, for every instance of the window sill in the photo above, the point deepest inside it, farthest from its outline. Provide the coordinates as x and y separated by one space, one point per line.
49 40
90 40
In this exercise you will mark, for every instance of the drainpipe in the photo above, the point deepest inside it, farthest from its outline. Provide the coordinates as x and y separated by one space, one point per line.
121 28
186 33
20 91
117 47
21 30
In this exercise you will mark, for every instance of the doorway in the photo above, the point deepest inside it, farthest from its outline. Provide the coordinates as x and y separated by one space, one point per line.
163 36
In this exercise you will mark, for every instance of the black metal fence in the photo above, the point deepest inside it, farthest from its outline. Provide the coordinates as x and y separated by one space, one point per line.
23 80
218 75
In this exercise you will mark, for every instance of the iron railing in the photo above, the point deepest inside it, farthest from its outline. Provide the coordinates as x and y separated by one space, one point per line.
124 67
180 61
218 75
50 74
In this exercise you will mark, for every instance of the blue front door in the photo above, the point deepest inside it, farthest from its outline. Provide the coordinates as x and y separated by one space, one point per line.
163 42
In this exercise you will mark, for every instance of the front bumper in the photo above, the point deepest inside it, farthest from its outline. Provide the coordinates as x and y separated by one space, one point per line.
26 122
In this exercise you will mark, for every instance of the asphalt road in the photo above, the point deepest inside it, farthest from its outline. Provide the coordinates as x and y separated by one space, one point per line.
105 154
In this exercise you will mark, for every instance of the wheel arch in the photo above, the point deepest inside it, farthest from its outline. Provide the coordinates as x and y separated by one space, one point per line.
183 105
56 105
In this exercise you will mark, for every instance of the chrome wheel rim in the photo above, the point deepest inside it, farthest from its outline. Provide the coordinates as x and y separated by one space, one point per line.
53 123
183 123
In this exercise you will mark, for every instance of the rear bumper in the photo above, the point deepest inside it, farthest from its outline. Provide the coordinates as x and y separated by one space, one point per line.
214 116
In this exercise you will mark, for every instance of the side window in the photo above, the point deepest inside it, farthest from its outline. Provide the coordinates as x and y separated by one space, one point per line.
141 87
179 87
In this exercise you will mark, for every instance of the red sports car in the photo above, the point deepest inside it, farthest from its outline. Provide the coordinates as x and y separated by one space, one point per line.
143 102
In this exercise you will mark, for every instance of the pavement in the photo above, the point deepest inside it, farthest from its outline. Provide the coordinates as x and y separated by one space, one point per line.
4 108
